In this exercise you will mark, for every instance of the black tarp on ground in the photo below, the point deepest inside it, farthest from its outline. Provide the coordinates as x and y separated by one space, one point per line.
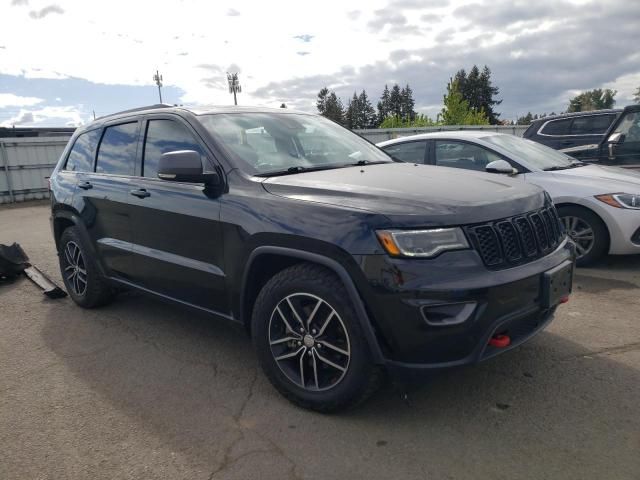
13 260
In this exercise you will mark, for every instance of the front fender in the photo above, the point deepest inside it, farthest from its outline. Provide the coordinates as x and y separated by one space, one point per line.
339 270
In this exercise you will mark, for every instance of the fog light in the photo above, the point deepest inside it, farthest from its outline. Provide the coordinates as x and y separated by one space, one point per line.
446 314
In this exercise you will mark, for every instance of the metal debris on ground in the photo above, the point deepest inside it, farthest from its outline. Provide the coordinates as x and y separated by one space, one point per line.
14 261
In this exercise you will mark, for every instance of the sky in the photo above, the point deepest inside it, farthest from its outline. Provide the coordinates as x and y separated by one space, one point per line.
61 61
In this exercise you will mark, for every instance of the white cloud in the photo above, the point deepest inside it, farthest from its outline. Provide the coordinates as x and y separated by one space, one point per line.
68 115
627 86
11 100
106 43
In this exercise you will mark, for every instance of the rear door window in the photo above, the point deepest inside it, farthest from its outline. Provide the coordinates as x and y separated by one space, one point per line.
463 155
117 151
83 152
591 125
557 127
165 136
412 152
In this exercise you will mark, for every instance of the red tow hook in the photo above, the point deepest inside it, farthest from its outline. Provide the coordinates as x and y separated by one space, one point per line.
564 299
500 341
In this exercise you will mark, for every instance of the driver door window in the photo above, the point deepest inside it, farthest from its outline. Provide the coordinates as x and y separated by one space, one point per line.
627 151
463 155
165 136
630 127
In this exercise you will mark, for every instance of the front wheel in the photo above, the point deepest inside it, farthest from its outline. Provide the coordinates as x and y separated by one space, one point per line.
309 340
588 232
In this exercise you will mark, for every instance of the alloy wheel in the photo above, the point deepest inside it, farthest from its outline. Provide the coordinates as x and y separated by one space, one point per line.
581 233
309 342
75 271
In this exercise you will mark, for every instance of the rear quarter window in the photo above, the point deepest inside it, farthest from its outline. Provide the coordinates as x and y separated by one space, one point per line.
83 152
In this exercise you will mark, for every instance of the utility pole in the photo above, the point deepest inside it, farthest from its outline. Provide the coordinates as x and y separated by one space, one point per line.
158 79
234 85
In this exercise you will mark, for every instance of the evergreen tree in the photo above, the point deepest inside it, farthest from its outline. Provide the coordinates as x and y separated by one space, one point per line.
383 105
408 103
335 110
476 88
352 113
395 101
321 103
329 105
457 111
526 120
367 112
596 99
636 96
283 106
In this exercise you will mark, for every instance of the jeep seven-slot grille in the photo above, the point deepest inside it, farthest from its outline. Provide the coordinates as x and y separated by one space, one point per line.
517 240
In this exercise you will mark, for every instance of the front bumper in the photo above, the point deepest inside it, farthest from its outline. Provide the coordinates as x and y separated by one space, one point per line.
505 301
622 225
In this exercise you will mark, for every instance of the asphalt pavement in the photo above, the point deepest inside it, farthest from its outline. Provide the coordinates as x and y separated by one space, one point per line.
144 390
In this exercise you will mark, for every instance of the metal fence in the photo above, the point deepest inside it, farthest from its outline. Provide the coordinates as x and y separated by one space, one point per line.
24 165
26 162
376 135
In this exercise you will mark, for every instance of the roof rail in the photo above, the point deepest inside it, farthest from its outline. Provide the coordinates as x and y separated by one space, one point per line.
137 109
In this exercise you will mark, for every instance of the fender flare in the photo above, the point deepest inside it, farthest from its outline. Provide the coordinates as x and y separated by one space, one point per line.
342 274
74 218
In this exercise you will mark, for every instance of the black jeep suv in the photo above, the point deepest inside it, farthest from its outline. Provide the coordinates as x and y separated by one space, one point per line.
340 262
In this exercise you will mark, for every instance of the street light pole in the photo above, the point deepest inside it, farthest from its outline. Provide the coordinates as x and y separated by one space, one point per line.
158 79
234 86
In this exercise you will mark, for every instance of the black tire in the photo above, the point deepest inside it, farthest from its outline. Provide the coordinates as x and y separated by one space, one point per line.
600 244
95 292
303 282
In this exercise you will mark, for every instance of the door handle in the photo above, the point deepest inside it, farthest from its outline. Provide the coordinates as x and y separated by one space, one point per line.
85 185
140 193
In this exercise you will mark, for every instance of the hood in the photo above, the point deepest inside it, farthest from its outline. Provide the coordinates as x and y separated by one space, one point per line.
411 194
604 179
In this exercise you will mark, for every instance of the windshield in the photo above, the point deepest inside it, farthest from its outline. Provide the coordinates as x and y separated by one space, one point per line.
535 154
278 143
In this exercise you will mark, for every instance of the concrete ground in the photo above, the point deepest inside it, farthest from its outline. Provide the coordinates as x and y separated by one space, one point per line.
141 389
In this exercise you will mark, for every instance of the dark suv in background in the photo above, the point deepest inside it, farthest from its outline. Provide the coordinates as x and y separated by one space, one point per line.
339 261
619 146
571 129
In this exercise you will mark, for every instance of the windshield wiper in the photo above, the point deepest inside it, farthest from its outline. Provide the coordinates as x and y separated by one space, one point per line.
564 167
301 169
297 169
361 163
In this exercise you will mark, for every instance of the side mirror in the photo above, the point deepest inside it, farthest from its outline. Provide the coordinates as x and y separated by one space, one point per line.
616 138
613 140
185 166
500 166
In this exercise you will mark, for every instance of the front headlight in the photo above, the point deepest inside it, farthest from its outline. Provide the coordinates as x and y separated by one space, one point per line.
621 200
422 243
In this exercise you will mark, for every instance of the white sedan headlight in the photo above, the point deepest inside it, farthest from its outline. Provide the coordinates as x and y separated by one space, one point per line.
422 243
621 200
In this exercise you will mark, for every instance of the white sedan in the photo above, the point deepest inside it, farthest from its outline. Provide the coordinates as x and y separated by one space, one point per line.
599 205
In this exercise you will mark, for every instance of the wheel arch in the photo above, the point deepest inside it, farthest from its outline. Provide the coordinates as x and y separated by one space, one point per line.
592 211
276 259
63 219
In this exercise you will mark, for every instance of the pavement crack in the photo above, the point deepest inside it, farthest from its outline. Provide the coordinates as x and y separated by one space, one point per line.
228 461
